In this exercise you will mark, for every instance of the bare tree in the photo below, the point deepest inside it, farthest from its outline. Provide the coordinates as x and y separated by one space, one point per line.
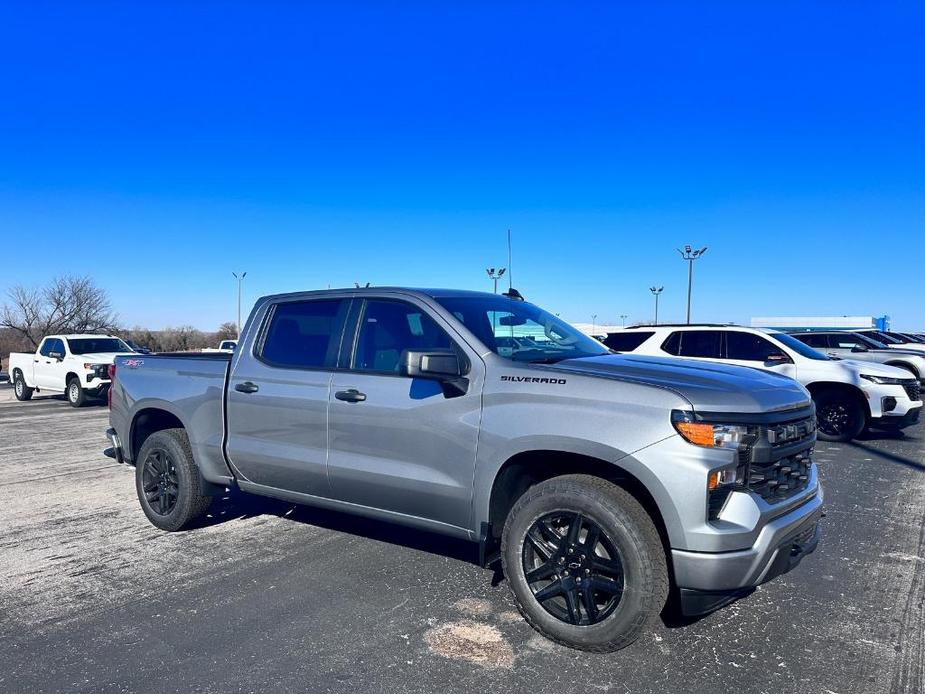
227 331
66 305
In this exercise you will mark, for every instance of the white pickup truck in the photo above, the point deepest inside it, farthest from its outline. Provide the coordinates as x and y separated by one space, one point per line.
77 365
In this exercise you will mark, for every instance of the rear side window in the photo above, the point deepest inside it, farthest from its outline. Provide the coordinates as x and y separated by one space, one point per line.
304 334
814 340
701 343
673 344
749 347
388 328
626 341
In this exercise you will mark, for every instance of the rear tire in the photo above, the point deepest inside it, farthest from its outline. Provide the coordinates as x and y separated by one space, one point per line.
595 595
167 481
840 415
20 389
75 394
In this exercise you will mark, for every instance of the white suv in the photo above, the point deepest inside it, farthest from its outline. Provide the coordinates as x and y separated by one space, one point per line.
849 395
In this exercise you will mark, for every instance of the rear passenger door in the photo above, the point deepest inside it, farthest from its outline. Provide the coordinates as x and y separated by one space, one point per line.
402 444
695 344
278 396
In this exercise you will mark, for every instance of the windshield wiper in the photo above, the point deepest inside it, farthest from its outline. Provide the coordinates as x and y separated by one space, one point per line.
547 360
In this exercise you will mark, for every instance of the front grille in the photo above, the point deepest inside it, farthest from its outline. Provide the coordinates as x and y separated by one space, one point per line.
913 390
778 458
780 479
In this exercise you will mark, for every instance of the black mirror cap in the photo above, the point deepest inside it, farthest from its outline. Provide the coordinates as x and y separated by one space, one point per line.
438 365
858 348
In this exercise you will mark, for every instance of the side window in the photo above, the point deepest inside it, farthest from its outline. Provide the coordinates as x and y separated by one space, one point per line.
847 342
815 340
47 348
388 328
701 343
749 347
672 345
304 334
627 341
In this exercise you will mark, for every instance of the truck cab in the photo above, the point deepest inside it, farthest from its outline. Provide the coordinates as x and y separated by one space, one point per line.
77 365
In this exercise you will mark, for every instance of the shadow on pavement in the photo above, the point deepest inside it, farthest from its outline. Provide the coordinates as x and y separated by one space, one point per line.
237 504
891 457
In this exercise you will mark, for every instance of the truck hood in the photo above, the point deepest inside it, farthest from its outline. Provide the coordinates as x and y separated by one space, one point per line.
708 386
101 357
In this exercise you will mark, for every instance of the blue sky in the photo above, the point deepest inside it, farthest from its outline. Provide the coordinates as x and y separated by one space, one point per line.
159 146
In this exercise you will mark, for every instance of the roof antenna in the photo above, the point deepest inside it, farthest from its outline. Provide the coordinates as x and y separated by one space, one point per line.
510 272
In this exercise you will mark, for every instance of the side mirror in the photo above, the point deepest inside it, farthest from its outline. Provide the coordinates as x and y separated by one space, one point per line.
777 358
442 365
56 355
858 348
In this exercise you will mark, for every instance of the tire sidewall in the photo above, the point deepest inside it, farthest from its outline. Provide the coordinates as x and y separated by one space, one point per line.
187 484
636 602
73 385
19 387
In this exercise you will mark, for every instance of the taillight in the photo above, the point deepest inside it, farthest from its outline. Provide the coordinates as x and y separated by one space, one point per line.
112 376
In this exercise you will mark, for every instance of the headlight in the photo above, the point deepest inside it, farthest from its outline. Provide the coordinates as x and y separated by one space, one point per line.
885 380
708 435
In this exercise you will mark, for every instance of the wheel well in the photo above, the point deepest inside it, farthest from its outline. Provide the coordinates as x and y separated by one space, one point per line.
524 470
816 389
147 422
70 375
904 365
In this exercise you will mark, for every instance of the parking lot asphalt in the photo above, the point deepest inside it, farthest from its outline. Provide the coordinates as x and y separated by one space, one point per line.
265 596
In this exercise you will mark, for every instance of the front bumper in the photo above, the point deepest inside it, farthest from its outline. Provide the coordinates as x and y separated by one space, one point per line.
710 579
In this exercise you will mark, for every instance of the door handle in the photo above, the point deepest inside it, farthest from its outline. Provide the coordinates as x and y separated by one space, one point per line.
37 361
352 395
247 387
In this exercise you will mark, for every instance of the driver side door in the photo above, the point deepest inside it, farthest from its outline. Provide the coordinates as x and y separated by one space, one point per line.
49 368
396 443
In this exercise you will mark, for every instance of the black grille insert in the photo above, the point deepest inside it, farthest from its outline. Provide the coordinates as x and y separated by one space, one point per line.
913 390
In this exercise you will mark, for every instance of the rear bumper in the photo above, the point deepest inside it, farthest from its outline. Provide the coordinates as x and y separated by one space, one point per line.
710 579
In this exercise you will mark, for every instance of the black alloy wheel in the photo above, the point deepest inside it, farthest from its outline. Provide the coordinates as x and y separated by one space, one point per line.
159 482
573 568
834 419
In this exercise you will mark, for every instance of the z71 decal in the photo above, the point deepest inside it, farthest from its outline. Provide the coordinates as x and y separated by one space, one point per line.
534 379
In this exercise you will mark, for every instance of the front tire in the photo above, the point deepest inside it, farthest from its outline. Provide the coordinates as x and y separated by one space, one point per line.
167 481
20 389
585 563
75 394
840 415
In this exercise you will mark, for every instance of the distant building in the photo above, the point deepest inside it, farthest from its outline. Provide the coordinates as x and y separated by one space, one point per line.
822 322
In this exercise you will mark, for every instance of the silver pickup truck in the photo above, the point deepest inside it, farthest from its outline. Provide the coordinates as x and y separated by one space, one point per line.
607 483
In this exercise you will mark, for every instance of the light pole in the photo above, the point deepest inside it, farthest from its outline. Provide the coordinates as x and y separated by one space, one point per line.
495 275
656 291
690 255
240 282
623 317
593 323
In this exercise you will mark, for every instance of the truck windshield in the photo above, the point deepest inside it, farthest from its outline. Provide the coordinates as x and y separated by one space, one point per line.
94 345
520 331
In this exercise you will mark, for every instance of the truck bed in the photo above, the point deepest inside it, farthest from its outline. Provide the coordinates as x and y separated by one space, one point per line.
190 385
